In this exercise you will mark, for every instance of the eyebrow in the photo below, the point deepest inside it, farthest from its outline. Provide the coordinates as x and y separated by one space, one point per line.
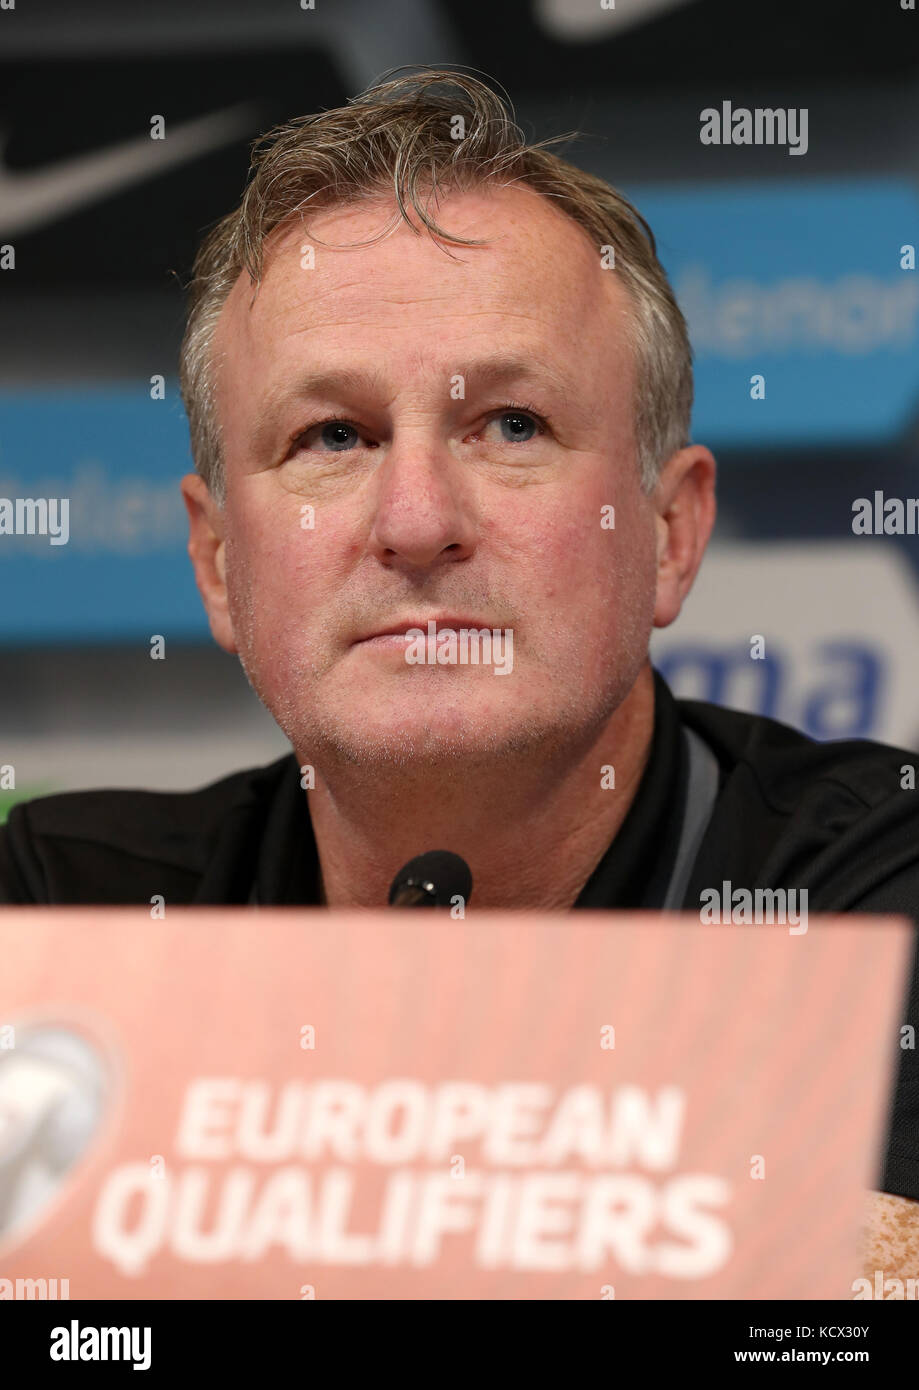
313 386
493 371
339 382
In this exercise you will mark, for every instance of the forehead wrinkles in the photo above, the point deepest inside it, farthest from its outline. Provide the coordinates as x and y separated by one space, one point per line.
535 261
538 271
426 338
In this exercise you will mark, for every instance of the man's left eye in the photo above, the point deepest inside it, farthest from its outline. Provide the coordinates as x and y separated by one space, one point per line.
516 426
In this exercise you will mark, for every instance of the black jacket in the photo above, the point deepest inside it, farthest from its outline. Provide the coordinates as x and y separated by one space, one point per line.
832 818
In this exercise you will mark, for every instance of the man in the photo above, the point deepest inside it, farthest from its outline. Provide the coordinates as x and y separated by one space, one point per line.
437 383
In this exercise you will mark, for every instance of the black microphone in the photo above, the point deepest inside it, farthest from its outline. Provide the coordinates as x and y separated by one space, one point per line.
431 880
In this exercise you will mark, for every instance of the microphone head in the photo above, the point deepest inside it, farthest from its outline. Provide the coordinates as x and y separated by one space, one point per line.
431 880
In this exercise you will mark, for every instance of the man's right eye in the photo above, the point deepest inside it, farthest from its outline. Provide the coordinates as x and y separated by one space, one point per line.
337 435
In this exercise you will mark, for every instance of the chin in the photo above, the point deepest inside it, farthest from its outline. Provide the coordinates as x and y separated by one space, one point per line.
427 734
421 722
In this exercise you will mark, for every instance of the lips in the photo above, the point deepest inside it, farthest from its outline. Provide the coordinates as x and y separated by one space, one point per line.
396 629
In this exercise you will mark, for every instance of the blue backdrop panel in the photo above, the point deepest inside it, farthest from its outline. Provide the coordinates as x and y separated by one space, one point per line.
124 572
804 285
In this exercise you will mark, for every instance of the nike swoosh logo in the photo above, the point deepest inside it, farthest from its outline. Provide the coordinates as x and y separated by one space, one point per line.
38 197
578 21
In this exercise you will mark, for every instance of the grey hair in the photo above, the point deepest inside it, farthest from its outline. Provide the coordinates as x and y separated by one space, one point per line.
397 138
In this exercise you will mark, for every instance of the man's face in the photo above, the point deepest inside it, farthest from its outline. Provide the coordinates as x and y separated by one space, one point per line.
457 423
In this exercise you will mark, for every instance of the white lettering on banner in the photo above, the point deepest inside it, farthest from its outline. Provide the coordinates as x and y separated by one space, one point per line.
852 316
554 1219
516 1123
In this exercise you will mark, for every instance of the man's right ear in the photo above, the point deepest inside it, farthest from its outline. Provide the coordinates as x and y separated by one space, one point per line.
207 550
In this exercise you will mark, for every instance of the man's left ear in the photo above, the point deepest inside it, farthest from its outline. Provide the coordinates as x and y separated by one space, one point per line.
685 507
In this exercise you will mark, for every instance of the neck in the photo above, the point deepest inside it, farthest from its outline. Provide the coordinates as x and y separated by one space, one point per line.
532 839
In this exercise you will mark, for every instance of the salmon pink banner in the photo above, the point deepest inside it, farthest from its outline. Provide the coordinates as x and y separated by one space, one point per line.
297 1104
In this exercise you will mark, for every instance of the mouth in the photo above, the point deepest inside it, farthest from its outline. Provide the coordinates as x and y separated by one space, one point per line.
397 631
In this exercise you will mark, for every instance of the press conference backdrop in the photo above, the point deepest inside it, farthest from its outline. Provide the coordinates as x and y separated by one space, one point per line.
795 268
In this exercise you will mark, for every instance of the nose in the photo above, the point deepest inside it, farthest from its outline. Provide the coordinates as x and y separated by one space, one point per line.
424 509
